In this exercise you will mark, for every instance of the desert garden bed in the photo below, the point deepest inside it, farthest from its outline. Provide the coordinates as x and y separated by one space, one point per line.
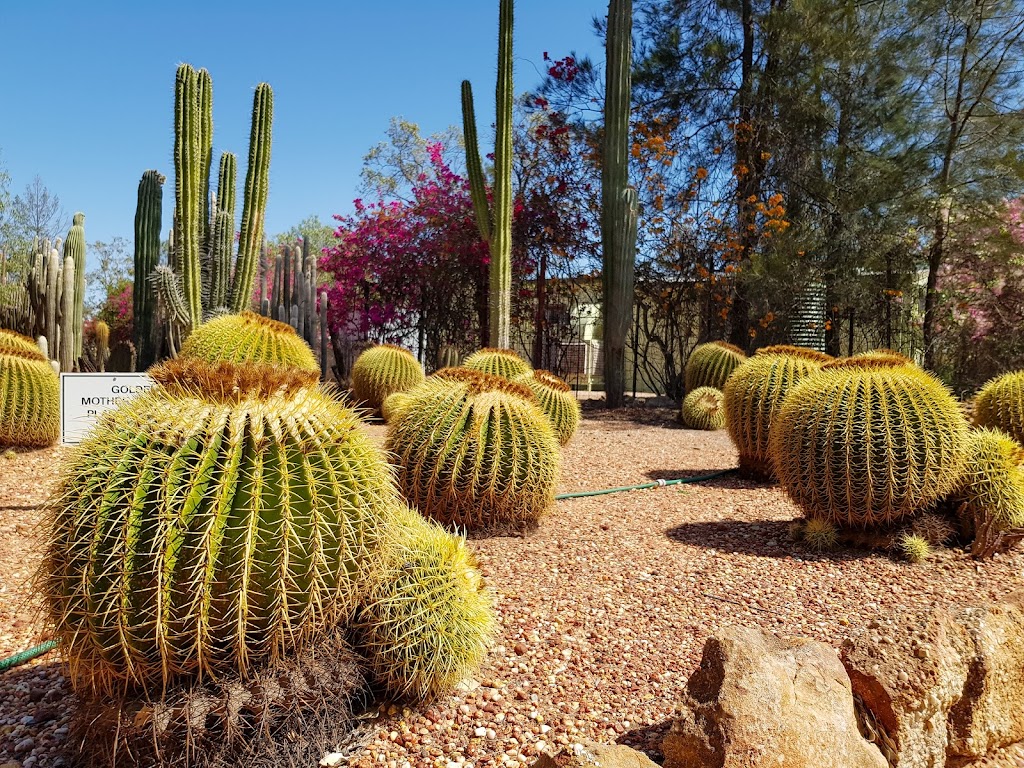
603 611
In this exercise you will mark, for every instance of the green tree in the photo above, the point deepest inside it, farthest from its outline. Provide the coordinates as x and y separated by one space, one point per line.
113 266
391 168
311 228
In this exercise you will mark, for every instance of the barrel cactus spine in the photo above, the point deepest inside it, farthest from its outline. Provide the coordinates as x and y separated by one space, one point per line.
29 395
475 451
868 444
426 620
497 362
249 338
383 370
556 400
991 492
217 522
753 395
703 409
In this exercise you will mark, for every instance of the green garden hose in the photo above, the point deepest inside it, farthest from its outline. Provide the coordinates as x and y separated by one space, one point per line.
49 645
644 486
23 656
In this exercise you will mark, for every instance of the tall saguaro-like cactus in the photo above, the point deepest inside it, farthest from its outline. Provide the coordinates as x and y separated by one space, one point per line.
618 200
188 189
497 233
74 246
147 256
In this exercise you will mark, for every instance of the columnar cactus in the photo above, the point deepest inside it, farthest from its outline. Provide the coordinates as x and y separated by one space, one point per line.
475 451
556 400
703 409
148 212
217 522
384 370
223 240
867 444
188 189
254 200
74 247
1000 405
426 619
495 229
497 362
249 338
65 334
753 395
29 395
709 365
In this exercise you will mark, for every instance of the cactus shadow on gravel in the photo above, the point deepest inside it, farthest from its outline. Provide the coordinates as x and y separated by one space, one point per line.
763 538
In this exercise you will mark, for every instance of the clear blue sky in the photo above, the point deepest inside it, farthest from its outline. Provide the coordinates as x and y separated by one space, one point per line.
87 94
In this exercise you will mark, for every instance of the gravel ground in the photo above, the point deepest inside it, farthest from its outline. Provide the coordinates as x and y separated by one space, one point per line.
603 611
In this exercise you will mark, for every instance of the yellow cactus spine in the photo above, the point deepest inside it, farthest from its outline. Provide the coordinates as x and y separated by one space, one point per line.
249 338
384 370
556 400
709 365
29 394
703 409
991 493
1000 405
497 362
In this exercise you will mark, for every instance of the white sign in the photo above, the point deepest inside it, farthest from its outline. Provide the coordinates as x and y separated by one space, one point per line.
84 396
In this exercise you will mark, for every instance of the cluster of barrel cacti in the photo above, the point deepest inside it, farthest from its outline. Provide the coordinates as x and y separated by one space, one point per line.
236 514
869 445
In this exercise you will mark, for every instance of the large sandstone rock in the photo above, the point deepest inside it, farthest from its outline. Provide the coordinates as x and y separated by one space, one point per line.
908 674
758 701
591 755
942 687
990 713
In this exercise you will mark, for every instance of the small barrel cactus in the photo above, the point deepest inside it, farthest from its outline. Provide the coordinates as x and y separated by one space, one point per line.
249 338
497 362
1000 405
556 400
709 365
991 491
703 409
426 620
820 535
867 444
475 451
216 522
29 394
753 395
383 370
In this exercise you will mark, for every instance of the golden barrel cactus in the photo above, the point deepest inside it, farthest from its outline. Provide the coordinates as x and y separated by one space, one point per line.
497 362
1000 405
475 451
249 338
556 399
710 365
868 443
991 492
753 395
703 409
383 370
218 522
29 395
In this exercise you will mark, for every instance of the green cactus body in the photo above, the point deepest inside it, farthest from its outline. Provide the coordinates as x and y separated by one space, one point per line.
29 395
993 486
204 96
710 364
249 338
448 356
224 232
101 332
74 246
497 362
426 620
477 190
556 400
703 409
66 356
867 445
217 522
147 257
381 371
394 405
1000 405
475 451
188 190
254 201
753 395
